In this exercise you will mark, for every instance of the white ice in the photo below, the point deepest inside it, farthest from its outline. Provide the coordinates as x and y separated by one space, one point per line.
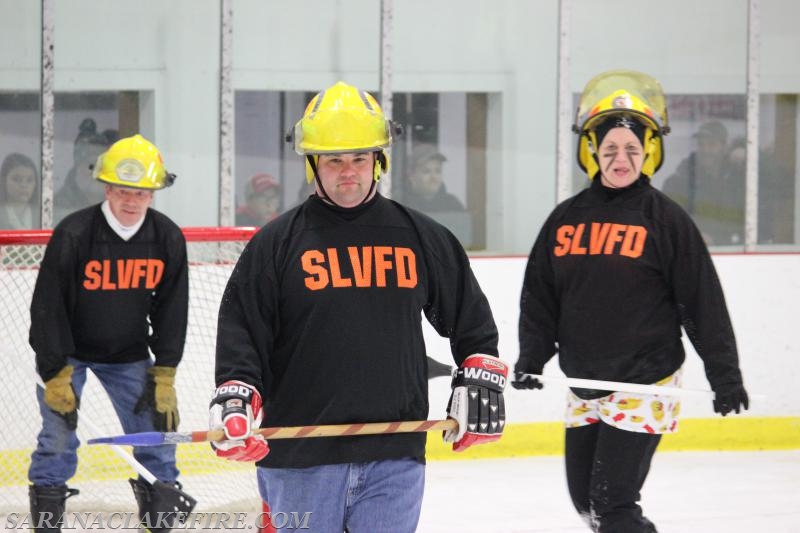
686 492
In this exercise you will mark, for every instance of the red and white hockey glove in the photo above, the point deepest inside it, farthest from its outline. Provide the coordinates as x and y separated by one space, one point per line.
236 409
476 402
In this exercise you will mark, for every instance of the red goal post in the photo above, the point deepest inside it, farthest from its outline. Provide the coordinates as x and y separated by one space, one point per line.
192 234
218 485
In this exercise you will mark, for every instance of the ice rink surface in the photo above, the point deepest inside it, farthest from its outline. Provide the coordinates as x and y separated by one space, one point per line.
686 492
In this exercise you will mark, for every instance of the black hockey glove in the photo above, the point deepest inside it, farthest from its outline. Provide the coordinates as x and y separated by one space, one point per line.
730 397
523 380
476 402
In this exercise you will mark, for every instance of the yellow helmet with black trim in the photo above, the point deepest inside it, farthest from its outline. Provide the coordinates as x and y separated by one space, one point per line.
133 162
343 119
627 92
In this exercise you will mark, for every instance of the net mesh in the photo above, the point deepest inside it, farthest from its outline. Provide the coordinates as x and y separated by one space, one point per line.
102 475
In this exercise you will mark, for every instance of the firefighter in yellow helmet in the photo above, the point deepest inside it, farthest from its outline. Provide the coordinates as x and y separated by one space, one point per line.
133 162
113 288
615 272
344 120
631 99
326 299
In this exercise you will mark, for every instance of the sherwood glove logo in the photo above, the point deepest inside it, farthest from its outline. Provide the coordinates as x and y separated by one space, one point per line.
238 390
493 363
484 375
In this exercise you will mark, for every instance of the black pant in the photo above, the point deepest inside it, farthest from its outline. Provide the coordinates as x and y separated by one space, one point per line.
606 468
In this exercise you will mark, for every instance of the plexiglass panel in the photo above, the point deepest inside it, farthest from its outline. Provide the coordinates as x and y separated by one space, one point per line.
20 178
702 168
779 124
148 67
86 124
269 175
478 98
20 119
706 175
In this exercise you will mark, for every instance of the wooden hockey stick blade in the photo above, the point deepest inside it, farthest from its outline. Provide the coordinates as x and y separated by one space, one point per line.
155 438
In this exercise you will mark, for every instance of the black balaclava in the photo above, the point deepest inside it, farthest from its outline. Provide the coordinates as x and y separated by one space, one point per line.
619 121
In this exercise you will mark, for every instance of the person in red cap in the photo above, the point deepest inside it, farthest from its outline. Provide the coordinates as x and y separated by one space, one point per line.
263 201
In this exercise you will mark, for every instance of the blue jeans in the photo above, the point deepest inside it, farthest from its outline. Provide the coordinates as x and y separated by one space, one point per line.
55 459
356 497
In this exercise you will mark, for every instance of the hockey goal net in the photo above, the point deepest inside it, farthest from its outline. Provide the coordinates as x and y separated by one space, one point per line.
218 485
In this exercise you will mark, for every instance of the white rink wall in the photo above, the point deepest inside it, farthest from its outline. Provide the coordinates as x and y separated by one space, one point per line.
763 296
762 291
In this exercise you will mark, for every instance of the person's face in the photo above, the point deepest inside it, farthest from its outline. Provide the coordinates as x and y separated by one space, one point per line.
346 177
265 204
20 185
427 177
710 150
621 158
88 157
84 178
737 160
128 205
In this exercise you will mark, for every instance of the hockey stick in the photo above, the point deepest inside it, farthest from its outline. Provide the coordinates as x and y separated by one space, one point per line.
168 495
171 495
155 438
638 388
618 386
138 467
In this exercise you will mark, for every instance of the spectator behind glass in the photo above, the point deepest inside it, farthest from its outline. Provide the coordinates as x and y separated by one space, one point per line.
80 189
704 186
427 191
263 201
18 199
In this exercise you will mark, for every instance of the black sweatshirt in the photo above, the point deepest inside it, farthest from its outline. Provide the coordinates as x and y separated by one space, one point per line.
322 314
97 296
611 278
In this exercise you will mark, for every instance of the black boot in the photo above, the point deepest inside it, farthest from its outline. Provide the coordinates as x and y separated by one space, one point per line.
47 507
162 505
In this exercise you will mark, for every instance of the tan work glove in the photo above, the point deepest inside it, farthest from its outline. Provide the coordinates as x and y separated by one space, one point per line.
160 397
59 396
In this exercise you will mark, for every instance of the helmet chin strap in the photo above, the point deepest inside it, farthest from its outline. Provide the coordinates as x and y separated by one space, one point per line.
325 196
